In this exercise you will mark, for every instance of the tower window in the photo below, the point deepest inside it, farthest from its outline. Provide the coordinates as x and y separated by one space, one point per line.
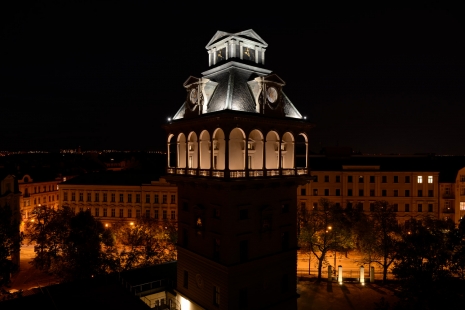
186 279
285 241
185 238
244 250
284 283
243 214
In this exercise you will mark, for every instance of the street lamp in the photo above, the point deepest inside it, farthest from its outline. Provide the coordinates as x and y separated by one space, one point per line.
330 228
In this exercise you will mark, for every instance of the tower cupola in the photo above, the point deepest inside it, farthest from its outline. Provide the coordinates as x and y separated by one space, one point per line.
245 46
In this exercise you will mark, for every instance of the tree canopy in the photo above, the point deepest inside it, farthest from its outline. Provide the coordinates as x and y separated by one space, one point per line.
70 246
10 242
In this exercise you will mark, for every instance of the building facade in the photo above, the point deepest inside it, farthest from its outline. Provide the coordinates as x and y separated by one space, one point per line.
38 193
416 186
114 197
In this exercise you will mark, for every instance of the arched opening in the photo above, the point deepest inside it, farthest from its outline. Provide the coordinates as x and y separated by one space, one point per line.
181 151
172 151
218 148
287 151
205 150
272 150
255 150
236 149
192 151
301 151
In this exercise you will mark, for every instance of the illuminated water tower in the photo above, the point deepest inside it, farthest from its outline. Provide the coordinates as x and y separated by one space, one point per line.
237 150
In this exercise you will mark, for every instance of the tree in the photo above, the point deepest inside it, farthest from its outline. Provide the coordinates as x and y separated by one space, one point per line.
71 246
326 229
10 242
379 235
458 255
423 264
147 242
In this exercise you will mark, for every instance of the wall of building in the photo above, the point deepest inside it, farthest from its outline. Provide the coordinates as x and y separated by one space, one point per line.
115 203
416 194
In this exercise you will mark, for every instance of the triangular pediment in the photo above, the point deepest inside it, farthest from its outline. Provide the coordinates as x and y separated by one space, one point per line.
251 34
244 34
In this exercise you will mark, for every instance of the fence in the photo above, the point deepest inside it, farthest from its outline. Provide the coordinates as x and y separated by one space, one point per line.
348 274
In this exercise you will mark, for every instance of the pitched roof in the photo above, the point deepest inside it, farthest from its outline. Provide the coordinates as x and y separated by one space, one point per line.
248 34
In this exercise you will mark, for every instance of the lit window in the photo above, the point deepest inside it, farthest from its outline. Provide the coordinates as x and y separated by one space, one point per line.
420 179
462 206
430 179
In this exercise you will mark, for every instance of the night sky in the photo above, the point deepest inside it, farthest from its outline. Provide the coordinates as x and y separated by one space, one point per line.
107 74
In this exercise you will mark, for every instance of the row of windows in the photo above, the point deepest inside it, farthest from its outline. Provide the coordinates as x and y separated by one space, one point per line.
361 192
37 189
395 207
121 197
106 212
44 199
384 179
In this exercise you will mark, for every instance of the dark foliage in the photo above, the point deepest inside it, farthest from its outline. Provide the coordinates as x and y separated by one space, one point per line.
10 242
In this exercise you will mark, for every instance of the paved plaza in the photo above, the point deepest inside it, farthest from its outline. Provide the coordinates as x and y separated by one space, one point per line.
348 296
29 277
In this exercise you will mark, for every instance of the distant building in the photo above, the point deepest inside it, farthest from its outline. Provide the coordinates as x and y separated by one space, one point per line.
417 186
38 192
120 197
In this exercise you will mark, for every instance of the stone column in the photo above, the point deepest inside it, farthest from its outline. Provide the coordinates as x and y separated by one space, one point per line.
214 55
339 276
372 274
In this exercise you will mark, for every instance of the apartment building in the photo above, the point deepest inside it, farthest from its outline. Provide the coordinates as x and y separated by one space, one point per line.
417 186
38 192
120 197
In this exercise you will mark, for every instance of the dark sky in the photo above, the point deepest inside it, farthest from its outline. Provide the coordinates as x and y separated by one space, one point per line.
107 74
